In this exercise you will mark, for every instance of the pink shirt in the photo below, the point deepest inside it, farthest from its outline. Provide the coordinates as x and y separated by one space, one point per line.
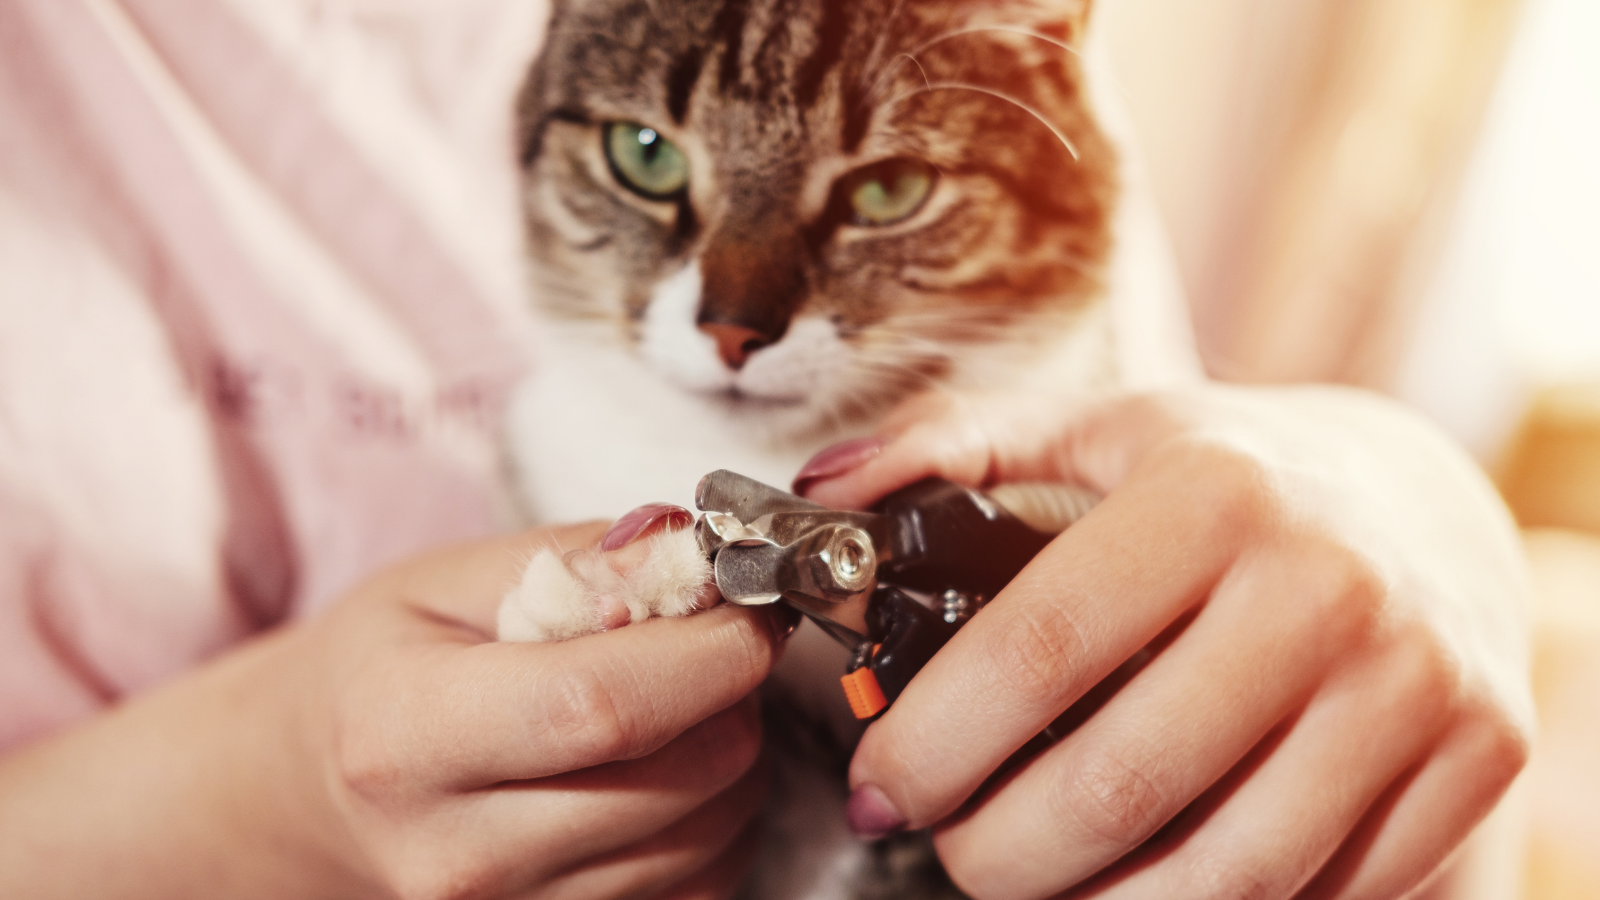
246 356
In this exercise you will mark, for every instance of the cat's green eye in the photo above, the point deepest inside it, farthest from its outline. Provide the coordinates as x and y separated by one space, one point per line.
644 161
890 191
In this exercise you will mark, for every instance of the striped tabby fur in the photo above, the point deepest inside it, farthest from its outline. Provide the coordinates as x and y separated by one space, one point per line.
774 100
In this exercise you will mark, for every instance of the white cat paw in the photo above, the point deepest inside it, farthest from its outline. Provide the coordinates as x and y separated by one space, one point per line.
585 591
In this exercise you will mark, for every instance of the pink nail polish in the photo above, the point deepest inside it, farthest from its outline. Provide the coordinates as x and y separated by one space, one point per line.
644 521
871 814
834 461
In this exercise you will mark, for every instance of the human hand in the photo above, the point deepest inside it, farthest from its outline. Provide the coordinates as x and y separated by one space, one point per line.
1339 690
392 748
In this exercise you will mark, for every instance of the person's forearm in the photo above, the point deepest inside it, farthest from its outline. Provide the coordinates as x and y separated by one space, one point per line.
149 800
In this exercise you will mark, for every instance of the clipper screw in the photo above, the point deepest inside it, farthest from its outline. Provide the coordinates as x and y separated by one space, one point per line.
849 560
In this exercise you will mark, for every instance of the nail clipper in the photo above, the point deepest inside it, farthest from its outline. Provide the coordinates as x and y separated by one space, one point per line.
893 584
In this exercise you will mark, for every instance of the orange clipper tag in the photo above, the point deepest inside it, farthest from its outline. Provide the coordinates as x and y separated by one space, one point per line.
862 690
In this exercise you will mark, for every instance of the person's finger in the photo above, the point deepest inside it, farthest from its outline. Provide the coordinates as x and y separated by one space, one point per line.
959 437
676 851
600 810
1082 607
1411 832
459 589
461 586
1256 652
492 841
982 440
1268 834
442 716
722 877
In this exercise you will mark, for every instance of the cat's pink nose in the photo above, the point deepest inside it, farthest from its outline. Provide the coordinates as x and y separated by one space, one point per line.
735 343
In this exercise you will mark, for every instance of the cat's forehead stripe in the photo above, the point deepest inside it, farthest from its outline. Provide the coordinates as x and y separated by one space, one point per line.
728 31
773 49
681 79
828 52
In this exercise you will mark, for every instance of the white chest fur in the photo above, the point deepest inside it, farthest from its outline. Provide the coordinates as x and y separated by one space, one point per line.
596 431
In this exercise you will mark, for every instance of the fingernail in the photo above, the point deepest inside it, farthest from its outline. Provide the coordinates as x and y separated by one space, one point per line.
645 520
871 815
835 461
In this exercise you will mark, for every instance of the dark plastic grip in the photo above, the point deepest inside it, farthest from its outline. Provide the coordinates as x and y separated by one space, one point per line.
905 635
947 536
943 537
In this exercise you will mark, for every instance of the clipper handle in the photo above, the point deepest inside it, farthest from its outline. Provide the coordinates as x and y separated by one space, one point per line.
947 536
948 541
905 635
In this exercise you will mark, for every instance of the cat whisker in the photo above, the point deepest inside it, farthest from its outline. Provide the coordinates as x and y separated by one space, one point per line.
872 92
852 403
922 327
991 29
936 40
928 86
883 36
930 351
962 320
998 95
927 83
901 356
906 365
933 334
934 341
940 339
909 374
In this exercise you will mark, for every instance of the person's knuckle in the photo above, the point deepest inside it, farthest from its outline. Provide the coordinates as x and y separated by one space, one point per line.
1223 874
1362 596
750 653
1112 795
1041 654
430 875
1235 485
366 764
1504 743
1437 675
1156 408
1242 489
582 717
1347 594
1423 674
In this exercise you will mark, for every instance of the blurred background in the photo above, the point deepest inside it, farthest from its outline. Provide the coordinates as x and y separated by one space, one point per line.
1404 194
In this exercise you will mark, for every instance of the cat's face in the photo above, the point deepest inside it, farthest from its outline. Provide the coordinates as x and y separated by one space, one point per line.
804 210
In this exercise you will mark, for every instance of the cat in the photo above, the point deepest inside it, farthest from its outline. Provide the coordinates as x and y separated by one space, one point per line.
754 226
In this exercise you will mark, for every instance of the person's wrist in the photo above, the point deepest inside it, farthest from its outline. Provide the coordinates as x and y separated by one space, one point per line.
274 788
